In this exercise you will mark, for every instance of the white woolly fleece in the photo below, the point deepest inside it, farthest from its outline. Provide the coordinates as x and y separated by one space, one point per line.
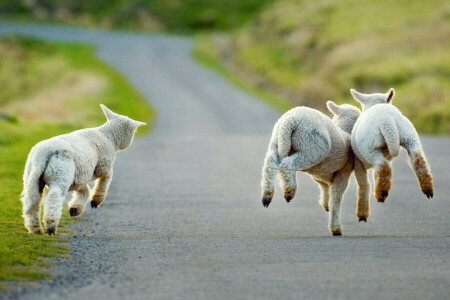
304 139
381 125
68 163
378 134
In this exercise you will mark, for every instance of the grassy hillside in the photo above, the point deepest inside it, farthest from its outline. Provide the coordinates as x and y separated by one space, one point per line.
47 89
171 15
309 51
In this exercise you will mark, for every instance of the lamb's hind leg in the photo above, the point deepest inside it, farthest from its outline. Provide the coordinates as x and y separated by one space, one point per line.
297 161
288 180
59 176
362 210
53 208
269 172
422 170
31 199
312 149
288 169
78 201
382 175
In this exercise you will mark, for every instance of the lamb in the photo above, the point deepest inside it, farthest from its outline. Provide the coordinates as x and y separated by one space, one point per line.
304 139
67 163
377 137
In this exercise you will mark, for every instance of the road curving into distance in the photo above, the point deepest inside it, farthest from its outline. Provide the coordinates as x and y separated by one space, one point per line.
183 218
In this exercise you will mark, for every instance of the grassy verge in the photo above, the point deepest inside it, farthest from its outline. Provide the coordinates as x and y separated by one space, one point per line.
309 51
204 57
143 15
31 73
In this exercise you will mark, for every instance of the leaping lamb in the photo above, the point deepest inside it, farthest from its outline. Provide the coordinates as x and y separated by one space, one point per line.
376 139
304 139
67 163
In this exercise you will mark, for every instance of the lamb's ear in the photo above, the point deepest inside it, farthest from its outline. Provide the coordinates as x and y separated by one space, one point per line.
333 107
135 124
390 95
108 113
358 96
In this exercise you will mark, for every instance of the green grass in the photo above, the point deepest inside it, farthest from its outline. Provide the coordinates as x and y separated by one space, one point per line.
21 253
172 15
201 55
34 67
309 51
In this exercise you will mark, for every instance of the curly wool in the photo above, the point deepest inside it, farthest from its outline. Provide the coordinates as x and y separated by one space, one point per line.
304 139
68 163
376 139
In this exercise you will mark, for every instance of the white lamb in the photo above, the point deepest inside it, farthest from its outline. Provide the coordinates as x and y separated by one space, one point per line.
304 139
376 139
68 163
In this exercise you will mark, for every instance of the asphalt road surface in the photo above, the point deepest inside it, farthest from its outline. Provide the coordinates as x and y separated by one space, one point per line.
183 218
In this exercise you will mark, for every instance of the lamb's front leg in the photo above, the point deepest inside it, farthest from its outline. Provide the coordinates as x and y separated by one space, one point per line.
337 190
100 190
324 194
362 180
78 201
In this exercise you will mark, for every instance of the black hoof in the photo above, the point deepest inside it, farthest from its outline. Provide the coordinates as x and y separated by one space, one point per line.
51 231
363 219
288 198
266 201
429 194
382 196
94 204
73 211
337 233
289 195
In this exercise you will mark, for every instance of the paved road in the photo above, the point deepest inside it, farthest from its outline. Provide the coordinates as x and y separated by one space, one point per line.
184 219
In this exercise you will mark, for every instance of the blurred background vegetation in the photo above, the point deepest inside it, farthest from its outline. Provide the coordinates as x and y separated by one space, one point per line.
301 51
291 52
309 51
183 16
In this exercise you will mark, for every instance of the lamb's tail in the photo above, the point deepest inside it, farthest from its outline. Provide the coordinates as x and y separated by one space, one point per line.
390 133
284 141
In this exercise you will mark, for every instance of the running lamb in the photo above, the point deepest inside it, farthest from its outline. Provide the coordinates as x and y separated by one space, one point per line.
67 163
376 139
304 139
